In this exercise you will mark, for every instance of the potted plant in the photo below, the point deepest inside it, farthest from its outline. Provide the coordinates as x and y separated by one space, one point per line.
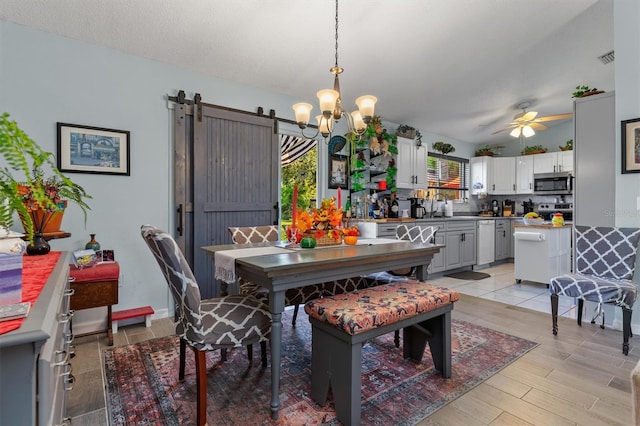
23 184
485 151
535 149
582 91
568 146
406 131
444 148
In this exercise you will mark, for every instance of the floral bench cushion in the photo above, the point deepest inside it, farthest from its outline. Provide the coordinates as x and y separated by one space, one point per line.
362 310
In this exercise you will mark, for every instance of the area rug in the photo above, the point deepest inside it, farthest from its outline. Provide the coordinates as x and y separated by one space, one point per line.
468 275
143 387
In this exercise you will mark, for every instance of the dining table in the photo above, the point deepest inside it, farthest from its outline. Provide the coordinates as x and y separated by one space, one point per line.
284 267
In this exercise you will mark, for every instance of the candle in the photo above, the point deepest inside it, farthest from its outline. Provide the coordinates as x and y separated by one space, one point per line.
294 206
339 199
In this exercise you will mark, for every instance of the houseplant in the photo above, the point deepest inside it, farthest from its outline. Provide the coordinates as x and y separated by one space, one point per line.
568 146
409 132
535 149
485 151
444 148
23 184
582 91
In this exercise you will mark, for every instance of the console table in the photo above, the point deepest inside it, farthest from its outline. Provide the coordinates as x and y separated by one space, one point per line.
35 371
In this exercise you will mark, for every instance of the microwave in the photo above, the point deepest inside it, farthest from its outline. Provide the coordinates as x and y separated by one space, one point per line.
552 183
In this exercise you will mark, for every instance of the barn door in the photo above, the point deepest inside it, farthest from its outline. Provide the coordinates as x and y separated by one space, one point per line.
234 182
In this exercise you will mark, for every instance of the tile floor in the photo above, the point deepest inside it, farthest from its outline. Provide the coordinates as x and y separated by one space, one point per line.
86 403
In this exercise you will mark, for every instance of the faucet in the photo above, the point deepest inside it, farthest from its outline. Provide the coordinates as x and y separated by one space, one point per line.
433 199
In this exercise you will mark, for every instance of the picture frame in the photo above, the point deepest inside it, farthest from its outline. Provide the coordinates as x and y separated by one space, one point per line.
338 172
630 145
87 149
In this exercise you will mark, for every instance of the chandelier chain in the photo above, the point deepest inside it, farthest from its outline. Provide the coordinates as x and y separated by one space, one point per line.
336 33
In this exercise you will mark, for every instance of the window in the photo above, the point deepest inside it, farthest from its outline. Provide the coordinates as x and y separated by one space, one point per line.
448 175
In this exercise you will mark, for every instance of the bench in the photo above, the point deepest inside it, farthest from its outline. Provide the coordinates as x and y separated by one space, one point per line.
341 324
145 311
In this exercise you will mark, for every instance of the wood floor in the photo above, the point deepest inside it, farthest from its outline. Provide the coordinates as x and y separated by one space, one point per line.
579 377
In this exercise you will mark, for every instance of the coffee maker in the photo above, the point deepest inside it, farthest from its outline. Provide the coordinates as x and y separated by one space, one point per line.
495 208
528 206
417 210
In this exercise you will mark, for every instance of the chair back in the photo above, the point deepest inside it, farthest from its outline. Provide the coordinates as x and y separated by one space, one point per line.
182 283
254 234
416 233
607 252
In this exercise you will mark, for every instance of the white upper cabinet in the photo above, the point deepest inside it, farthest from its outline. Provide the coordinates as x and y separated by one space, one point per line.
553 162
411 164
478 172
502 173
524 174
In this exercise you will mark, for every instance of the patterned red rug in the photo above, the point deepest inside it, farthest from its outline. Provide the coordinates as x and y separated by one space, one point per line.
143 387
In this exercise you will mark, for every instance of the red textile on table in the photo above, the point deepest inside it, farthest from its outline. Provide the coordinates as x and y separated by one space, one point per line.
100 272
35 273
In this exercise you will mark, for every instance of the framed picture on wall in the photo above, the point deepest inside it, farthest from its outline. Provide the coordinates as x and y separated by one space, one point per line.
631 146
338 172
85 149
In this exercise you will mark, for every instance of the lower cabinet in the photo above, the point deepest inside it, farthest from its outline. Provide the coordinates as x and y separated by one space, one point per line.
503 239
460 237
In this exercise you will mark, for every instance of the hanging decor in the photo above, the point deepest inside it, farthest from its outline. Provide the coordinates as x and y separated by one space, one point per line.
331 105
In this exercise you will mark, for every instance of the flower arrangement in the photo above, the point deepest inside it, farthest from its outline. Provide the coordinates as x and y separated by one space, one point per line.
322 221
351 231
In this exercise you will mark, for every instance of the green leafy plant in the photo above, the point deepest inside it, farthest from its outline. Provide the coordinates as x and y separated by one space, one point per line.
533 149
485 150
568 146
582 91
444 148
404 130
22 183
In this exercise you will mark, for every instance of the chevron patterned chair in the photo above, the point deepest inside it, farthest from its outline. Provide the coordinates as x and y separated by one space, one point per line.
605 263
210 324
295 296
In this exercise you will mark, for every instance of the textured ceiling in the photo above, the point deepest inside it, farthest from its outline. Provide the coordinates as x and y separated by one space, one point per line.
457 68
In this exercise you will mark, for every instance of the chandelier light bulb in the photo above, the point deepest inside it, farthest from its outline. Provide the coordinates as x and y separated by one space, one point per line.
324 125
366 105
303 113
327 99
358 123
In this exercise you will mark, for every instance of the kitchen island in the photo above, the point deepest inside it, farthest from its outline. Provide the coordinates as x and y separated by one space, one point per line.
541 252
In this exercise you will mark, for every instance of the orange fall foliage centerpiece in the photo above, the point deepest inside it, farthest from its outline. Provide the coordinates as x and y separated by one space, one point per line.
322 223
351 234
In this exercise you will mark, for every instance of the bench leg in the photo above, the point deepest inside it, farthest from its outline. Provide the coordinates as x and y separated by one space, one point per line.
337 364
147 321
436 331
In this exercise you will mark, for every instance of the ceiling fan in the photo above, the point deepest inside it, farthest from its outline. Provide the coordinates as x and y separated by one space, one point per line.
525 123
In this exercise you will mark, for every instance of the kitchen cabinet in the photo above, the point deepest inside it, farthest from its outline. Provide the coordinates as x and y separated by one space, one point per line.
460 240
478 171
553 162
502 175
503 239
411 164
35 371
524 174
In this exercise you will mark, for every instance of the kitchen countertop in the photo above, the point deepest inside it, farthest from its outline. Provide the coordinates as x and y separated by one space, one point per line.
435 219
543 226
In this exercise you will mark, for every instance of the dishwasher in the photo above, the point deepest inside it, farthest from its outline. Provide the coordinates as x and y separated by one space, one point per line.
486 242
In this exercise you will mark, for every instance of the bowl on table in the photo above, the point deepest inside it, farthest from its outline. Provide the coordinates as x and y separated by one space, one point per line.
533 221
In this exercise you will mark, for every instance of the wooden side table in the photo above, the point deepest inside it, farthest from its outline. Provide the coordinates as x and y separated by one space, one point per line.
94 287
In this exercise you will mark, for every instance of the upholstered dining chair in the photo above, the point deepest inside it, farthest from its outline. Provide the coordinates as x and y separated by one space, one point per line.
295 296
210 324
605 263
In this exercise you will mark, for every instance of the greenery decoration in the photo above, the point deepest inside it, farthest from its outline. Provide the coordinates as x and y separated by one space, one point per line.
444 148
535 149
22 183
485 150
582 91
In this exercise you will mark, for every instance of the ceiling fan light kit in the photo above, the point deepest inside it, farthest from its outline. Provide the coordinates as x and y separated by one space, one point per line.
331 106
526 123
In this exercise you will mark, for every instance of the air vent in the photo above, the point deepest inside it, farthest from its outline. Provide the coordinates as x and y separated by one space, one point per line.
607 57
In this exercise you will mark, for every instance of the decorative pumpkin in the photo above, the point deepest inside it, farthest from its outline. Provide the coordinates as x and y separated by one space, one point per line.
351 239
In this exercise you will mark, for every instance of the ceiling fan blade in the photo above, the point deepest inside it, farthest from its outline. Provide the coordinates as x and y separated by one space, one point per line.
528 116
555 117
538 126
504 130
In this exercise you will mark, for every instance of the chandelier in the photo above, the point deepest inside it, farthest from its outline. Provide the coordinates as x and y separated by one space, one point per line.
331 106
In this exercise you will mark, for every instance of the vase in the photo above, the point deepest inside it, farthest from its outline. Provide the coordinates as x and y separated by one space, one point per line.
92 244
40 246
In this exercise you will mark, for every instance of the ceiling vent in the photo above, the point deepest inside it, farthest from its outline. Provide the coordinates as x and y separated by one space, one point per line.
606 58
